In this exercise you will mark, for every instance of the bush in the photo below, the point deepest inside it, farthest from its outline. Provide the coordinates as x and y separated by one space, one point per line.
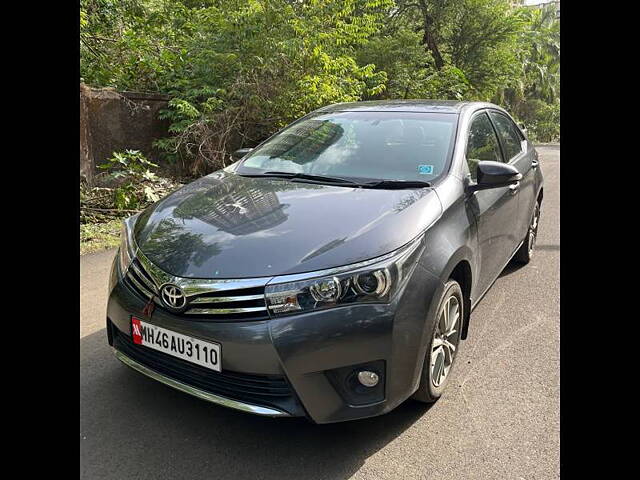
542 120
129 185
136 185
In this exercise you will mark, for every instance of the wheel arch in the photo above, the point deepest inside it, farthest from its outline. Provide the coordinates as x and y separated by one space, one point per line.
459 268
461 273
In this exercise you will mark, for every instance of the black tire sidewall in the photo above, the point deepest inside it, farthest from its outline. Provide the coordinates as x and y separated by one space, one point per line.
427 392
523 255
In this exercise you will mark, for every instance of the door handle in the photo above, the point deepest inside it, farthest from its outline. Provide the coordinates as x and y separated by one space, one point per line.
534 164
514 188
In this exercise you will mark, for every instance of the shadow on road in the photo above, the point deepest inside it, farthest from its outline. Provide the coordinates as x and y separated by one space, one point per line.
555 248
134 427
513 266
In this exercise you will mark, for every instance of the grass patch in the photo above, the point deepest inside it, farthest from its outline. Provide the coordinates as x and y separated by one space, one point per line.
99 236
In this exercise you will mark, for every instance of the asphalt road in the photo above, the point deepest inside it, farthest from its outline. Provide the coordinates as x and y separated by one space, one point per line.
499 417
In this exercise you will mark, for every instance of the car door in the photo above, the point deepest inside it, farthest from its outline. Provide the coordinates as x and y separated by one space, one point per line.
495 209
517 152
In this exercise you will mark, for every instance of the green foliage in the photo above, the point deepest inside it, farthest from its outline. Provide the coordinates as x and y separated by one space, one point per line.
533 93
408 69
133 44
543 120
131 163
256 66
482 36
137 185
238 70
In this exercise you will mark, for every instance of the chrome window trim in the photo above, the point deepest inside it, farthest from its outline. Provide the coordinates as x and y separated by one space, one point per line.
472 117
523 149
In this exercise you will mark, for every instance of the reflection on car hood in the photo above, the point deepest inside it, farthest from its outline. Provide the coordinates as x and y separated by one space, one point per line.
227 226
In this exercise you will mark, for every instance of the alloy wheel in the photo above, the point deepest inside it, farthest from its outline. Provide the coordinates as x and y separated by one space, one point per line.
445 340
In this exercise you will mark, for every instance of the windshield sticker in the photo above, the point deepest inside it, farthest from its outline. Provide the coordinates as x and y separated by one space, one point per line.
425 169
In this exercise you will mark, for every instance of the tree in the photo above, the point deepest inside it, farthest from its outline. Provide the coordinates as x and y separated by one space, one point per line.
533 94
255 66
238 70
453 48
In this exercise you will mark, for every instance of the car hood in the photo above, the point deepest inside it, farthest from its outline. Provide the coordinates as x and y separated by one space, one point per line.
227 226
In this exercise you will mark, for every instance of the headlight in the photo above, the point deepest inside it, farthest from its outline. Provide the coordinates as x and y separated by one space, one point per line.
374 281
127 248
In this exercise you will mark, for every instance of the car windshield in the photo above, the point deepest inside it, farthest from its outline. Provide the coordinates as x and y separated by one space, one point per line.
401 146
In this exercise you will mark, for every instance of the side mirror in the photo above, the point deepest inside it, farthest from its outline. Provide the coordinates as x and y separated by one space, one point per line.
495 175
523 128
238 154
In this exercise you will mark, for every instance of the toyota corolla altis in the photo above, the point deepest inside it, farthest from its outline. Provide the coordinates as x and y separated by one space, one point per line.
330 272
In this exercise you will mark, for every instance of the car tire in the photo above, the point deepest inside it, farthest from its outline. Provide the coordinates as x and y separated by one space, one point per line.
443 347
525 252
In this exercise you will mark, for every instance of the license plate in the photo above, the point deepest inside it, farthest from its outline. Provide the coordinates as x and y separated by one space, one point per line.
206 354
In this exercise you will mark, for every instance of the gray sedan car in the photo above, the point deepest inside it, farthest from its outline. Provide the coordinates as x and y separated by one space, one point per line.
330 272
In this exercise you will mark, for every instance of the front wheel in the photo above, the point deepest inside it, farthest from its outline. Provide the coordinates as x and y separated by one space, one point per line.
443 346
525 252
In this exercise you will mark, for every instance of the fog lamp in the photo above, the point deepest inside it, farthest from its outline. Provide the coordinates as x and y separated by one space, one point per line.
368 379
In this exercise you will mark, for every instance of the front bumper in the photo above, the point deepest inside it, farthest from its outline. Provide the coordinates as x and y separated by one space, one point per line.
304 350
196 392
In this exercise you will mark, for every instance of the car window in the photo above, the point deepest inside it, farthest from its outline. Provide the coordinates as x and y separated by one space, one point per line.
482 143
511 139
361 145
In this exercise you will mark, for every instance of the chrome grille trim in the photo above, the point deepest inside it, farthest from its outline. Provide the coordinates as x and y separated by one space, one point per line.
140 287
150 285
204 297
158 276
224 311
236 298
197 286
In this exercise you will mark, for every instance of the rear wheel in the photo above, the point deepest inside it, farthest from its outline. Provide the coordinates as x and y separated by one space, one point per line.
443 346
525 252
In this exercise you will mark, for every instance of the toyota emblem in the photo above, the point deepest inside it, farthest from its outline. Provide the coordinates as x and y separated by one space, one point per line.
173 297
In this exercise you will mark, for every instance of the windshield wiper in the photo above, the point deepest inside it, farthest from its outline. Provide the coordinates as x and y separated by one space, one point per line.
382 184
396 184
302 176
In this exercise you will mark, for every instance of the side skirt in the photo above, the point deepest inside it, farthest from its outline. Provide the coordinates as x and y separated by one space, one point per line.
475 303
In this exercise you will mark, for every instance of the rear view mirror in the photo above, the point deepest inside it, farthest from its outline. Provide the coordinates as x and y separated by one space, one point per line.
494 175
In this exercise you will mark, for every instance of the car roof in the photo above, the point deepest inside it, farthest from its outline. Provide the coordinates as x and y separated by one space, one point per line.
413 105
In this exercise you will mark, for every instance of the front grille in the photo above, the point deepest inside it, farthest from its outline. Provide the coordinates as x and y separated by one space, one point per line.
219 305
267 390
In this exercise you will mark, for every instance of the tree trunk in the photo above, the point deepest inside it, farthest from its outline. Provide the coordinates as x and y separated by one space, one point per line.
431 44
86 155
428 38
